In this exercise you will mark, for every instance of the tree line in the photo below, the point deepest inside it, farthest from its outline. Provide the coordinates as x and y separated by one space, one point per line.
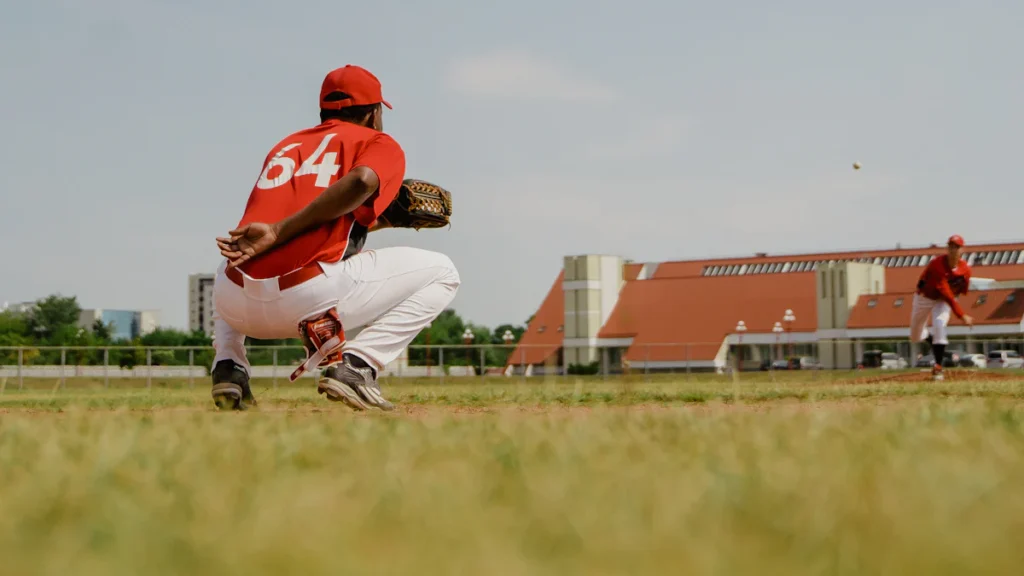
54 322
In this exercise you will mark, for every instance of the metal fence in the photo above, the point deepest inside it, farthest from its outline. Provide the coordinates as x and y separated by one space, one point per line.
276 363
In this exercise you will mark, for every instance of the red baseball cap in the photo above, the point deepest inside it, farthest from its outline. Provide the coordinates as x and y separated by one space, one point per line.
361 87
956 239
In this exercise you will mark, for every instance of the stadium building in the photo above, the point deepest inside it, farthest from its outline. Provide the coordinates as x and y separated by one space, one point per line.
604 312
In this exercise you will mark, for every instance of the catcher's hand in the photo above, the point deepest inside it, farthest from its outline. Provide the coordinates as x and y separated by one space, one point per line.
419 204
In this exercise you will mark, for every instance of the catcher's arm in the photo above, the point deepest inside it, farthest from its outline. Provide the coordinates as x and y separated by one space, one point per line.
344 196
338 199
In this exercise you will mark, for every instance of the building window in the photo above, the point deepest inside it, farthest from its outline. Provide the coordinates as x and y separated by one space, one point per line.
541 329
842 284
981 300
1011 298
872 303
824 285
897 303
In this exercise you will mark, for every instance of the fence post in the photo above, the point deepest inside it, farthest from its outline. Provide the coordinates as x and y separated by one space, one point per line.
440 362
21 360
63 361
647 363
149 367
106 363
483 361
522 362
191 362
275 368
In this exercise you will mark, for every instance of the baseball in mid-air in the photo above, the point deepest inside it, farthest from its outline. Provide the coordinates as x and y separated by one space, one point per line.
856 165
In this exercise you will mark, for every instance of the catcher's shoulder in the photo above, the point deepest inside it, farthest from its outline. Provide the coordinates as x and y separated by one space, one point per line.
385 138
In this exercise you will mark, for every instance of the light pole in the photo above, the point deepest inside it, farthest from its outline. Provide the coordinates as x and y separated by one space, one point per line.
507 338
789 318
467 339
777 329
741 327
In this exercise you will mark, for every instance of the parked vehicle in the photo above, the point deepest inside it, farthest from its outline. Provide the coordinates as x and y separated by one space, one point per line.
804 363
1005 359
893 361
973 361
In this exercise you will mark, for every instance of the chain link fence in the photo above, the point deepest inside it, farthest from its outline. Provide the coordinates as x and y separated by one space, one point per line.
190 364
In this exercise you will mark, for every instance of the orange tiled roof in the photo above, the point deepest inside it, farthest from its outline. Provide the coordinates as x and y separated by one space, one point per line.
893 310
543 337
701 312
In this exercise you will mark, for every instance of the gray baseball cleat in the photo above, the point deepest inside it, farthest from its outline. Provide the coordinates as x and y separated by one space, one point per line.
355 386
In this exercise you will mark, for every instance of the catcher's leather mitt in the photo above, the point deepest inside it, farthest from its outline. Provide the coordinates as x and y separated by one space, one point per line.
419 204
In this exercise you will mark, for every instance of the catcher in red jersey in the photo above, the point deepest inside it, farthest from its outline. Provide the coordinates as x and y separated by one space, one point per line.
944 279
294 264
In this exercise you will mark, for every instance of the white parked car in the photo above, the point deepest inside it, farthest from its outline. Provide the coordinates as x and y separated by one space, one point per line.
893 361
974 361
1005 359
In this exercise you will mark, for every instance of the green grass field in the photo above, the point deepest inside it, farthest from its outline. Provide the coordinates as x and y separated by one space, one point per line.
802 474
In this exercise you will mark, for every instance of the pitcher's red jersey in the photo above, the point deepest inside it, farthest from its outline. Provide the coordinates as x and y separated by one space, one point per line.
940 282
298 169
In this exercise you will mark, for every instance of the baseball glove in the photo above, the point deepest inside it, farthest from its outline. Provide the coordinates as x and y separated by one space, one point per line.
419 204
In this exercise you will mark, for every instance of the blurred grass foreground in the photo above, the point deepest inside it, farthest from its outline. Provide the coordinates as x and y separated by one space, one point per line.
916 485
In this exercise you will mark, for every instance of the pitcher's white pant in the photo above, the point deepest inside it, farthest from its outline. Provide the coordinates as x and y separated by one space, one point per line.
384 298
938 311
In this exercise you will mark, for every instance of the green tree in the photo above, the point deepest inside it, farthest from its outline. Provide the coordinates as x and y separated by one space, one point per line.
446 329
55 318
101 330
14 324
498 354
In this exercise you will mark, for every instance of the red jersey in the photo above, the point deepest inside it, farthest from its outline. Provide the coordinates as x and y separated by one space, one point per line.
940 282
298 169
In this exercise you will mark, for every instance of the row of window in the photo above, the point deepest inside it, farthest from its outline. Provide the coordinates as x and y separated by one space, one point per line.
981 299
999 258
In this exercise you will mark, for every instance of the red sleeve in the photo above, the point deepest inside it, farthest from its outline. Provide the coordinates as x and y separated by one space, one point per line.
949 297
385 157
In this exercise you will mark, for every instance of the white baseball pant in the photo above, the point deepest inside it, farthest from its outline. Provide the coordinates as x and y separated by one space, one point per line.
383 297
924 309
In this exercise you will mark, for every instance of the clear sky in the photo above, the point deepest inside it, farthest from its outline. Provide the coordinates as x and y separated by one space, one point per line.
132 131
